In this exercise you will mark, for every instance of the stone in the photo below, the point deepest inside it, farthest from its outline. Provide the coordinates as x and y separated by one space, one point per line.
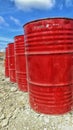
15 113
9 115
13 89
7 79
3 79
46 120
2 117
45 129
5 122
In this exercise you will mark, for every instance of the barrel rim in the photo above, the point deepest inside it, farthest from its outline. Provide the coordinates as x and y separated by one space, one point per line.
18 36
33 21
10 43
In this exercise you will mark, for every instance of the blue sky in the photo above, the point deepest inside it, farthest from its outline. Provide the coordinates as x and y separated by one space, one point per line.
15 13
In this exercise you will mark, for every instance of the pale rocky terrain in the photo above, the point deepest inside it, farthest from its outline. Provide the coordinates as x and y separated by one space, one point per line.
16 114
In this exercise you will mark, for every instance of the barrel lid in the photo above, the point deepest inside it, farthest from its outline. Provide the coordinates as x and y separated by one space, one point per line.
65 18
19 35
10 43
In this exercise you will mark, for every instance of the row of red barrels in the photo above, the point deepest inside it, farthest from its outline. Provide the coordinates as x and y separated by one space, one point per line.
41 62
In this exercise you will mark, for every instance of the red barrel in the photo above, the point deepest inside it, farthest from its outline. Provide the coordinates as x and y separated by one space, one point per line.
49 53
11 58
6 63
20 62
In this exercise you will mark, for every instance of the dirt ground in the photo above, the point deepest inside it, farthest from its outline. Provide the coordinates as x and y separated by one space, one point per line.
16 114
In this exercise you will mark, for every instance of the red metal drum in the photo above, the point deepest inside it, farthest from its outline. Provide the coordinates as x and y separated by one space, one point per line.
20 62
11 57
49 54
6 63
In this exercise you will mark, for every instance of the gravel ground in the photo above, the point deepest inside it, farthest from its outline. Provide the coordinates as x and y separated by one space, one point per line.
16 114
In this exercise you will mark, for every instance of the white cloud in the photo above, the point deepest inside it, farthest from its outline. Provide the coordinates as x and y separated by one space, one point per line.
15 20
3 22
37 4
